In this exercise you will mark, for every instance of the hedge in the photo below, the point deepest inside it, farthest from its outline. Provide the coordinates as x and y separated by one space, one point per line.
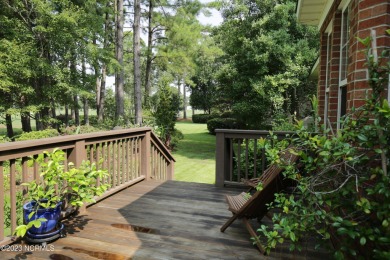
222 123
202 118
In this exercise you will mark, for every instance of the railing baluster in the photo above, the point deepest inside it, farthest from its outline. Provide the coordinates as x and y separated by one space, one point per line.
255 158
132 158
263 165
231 159
103 153
123 161
109 164
24 173
246 157
13 194
127 159
239 160
118 163
98 166
36 169
1 201
92 154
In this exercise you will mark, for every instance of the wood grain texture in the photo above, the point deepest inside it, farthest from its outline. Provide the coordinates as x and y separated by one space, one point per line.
158 220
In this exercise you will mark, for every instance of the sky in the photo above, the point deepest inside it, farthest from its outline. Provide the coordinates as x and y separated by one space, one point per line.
214 19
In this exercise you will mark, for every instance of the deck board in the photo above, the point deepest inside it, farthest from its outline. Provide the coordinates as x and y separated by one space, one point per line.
175 220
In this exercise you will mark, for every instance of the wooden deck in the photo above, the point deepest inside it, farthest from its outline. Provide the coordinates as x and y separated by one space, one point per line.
156 220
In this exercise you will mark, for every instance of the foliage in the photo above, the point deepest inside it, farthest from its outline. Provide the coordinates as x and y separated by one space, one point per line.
342 188
202 118
167 107
4 139
37 135
222 123
204 81
267 57
19 210
83 129
74 185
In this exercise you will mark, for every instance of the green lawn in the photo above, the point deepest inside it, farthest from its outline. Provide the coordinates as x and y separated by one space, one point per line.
195 155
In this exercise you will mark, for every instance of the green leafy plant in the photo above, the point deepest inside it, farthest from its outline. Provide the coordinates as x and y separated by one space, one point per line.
342 190
74 186
37 135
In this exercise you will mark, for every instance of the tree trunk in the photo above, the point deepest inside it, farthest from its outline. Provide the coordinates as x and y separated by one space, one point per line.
184 102
72 113
26 122
137 63
102 94
54 114
86 111
66 115
119 75
76 110
8 122
38 122
98 85
102 88
149 55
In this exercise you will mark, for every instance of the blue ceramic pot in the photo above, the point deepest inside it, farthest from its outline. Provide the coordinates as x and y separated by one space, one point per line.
51 214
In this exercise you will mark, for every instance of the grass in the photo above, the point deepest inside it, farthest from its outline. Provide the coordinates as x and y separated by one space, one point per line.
195 155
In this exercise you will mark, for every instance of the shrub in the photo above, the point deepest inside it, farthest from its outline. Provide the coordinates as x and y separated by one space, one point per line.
222 123
227 114
202 118
93 120
4 139
342 180
37 135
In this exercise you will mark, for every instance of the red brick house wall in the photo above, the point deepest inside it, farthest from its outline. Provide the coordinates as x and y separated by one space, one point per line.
363 15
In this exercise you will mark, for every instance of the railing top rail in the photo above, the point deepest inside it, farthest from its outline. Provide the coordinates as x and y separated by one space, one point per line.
162 147
69 138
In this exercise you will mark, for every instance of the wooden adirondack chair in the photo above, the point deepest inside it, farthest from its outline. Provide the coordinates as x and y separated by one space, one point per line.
245 206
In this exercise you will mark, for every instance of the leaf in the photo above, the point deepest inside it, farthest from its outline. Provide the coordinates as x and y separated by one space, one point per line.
363 241
362 138
292 236
385 223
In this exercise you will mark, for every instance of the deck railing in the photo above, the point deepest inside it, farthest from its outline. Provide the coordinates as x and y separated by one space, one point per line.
238 154
130 156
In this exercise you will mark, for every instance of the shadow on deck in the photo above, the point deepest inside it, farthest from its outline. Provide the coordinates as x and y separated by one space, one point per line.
156 220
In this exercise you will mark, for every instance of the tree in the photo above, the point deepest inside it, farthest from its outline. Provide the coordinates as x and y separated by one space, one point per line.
183 34
137 62
267 57
119 75
167 107
204 81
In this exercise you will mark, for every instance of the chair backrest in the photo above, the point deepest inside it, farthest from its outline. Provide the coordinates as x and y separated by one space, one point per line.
256 206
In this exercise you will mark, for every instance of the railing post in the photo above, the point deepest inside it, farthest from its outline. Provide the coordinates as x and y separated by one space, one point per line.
222 159
78 154
146 154
171 170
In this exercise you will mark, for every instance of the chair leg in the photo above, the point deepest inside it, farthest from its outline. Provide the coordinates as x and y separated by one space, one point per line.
253 234
229 222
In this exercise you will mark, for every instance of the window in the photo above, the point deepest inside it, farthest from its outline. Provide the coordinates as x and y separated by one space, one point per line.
343 72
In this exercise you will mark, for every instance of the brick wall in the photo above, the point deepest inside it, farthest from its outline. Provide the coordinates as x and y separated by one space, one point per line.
364 15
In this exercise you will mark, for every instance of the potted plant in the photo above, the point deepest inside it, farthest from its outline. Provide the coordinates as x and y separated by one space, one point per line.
56 188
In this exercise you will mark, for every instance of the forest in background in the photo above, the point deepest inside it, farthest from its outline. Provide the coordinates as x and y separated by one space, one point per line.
56 55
